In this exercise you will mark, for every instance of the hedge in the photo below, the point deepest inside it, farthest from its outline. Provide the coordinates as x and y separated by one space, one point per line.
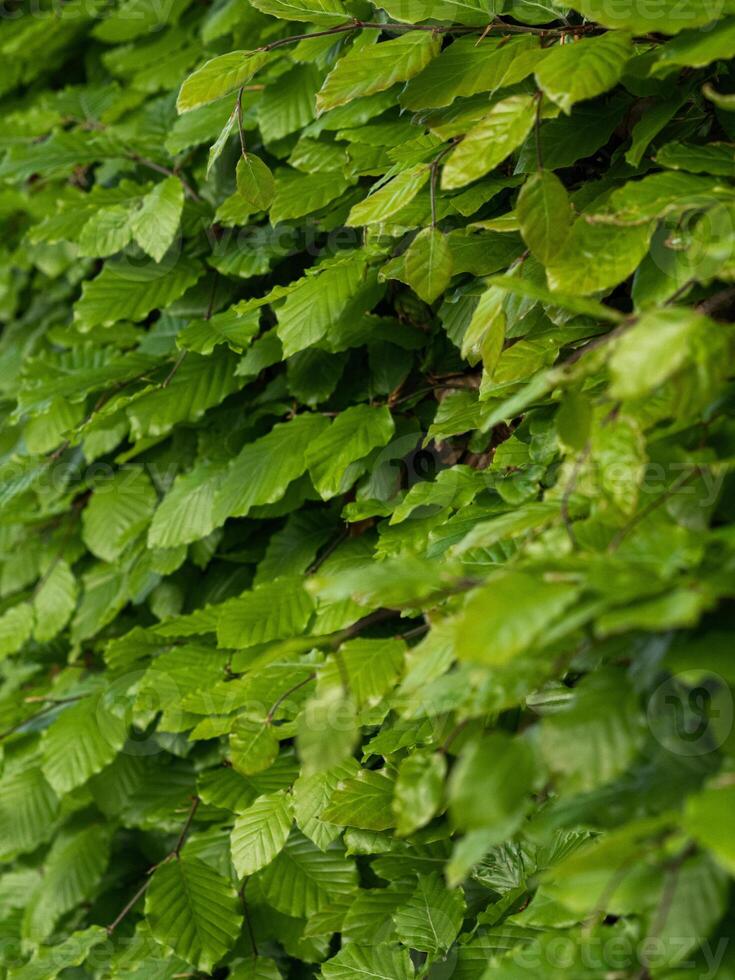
367 513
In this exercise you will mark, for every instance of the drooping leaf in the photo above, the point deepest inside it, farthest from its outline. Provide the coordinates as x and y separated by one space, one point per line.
255 182
429 264
545 215
193 910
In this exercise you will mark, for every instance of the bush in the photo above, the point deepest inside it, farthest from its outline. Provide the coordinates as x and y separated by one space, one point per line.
367 523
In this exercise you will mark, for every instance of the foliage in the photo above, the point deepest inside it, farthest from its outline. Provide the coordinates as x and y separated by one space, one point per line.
367 507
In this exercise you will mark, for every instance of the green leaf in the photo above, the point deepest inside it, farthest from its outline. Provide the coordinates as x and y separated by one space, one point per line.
48 961
597 256
574 304
298 194
465 68
16 627
28 809
490 142
490 785
319 302
194 911
707 817
327 730
311 795
667 17
430 921
322 12
255 182
84 739
228 327
262 472
369 668
497 624
155 224
54 601
696 49
368 69
333 458
108 231
381 962
715 158
419 790
218 77
129 290
186 512
602 743
390 198
198 383
302 880
272 611
215 150
73 868
362 801
429 264
574 72
253 745
260 832
654 349
485 334
117 513
545 215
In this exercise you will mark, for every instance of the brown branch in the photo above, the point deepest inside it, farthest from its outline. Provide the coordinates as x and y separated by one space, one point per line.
172 855
497 25
238 116
248 923
185 829
159 168
182 356
127 908
279 701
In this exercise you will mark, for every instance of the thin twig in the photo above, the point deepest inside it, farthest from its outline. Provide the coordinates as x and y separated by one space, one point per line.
180 359
53 703
172 855
159 168
537 131
279 701
673 870
177 364
127 908
246 916
457 730
238 116
330 549
362 25
649 508
185 829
